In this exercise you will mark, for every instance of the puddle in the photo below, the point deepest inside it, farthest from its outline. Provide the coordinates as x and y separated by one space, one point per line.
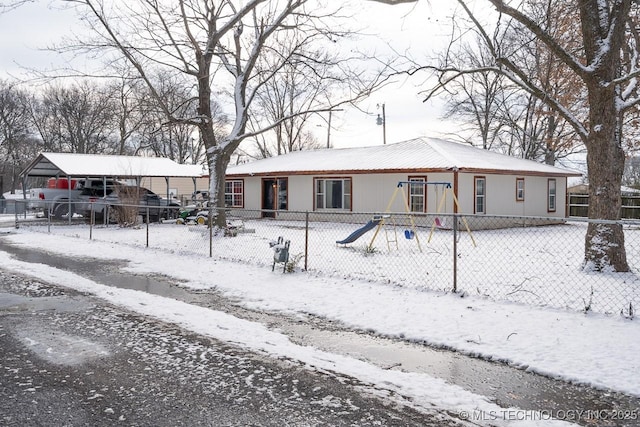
102 271
505 385
12 302
59 348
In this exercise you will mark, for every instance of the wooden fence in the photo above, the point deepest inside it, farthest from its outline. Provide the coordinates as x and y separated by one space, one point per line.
578 205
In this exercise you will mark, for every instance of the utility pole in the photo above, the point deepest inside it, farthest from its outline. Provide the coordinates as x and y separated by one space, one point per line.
329 131
329 125
382 121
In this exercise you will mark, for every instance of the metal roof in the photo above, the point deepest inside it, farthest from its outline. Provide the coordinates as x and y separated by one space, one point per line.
87 165
420 154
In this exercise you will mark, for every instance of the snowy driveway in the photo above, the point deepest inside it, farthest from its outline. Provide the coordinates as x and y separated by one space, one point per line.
68 359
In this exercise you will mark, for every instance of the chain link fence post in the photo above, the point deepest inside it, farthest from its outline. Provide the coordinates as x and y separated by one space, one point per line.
306 240
210 225
92 220
455 253
147 226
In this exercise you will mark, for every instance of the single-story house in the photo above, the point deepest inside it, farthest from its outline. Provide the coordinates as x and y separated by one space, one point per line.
364 180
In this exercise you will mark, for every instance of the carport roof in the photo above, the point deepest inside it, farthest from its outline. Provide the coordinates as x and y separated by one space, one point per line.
97 165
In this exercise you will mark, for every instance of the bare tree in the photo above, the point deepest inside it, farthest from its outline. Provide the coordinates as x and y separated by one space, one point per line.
17 145
560 20
631 176
522 129
476 99
527 129
12 4
218 45
129 113
179 141
162 138
500 113
289 100
76 119
604 68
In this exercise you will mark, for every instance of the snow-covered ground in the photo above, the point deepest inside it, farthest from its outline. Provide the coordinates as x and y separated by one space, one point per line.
533 265
596 349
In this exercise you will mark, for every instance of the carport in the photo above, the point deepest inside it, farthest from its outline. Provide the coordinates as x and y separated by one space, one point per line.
76 166
95 166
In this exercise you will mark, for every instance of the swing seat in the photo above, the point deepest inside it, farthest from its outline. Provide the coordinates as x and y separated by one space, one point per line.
439 223
409 234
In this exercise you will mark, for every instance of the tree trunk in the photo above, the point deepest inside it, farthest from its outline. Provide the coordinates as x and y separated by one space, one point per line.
550 152
218 161
604 25
217 158
604 243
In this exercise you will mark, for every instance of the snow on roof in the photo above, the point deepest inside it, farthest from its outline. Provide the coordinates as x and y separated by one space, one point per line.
420 154
73 164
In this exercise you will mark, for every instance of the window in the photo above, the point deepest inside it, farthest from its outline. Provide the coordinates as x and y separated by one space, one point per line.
551 195
417 194
480 195
234 194
519 189
333 193
282 200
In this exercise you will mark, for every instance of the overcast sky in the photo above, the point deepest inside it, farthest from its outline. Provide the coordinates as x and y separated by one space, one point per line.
416 28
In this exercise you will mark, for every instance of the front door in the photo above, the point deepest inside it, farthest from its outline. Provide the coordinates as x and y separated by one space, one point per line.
274 196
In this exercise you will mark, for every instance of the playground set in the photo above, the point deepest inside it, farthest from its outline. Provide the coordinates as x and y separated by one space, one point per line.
388 222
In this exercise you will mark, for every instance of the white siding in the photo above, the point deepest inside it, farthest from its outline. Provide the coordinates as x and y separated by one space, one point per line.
501 195
301 193
184 186
372 193
252 193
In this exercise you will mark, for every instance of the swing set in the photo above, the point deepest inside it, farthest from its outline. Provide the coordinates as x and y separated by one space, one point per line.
410 233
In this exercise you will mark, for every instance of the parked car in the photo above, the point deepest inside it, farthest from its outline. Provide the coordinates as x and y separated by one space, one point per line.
61 195
124 203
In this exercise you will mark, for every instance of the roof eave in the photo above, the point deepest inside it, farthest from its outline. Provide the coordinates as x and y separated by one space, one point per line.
403 170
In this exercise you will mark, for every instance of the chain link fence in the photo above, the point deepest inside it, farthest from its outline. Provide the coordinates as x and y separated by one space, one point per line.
530 260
